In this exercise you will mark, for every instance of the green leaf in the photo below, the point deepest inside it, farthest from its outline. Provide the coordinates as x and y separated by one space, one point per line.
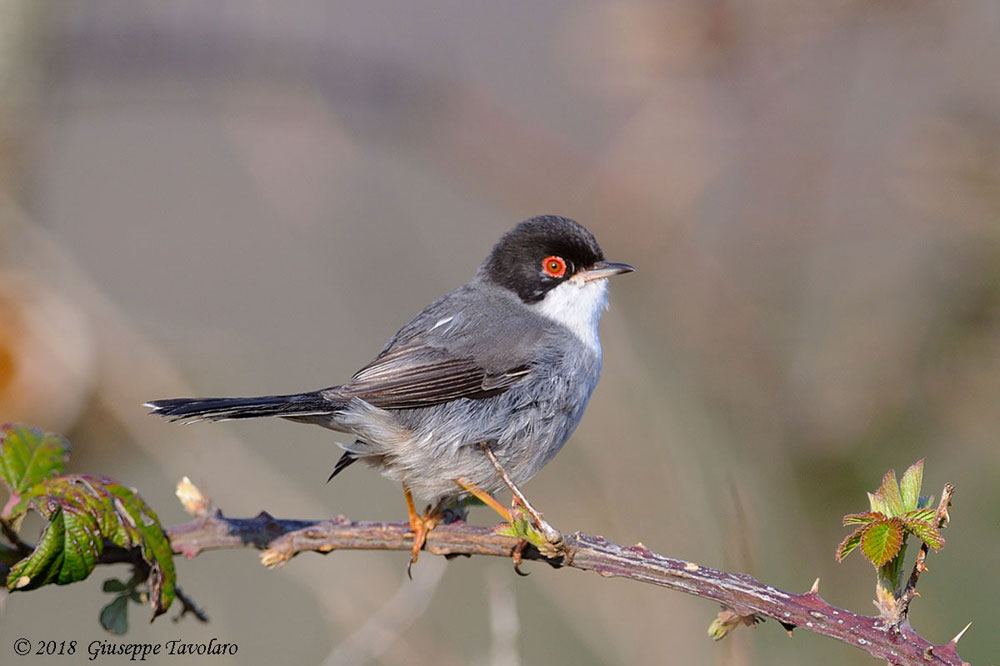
849 543
67 551
909 486
927 515
114 585
887 499
863 518
877 504
893 569
926 532
114 616
880 542
155 546
83 510
522 528
28 456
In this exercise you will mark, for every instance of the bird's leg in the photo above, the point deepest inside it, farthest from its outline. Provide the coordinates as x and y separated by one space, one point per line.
420 525
551 534
485 498
490 501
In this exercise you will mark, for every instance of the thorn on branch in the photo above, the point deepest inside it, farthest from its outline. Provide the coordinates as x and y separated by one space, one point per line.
959 635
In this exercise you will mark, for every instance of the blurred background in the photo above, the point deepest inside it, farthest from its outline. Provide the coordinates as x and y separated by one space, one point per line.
225 198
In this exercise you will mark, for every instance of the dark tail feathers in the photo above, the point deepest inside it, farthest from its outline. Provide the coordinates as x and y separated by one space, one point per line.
345 461
221 409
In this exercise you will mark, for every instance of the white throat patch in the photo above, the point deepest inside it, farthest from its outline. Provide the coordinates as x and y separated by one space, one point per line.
578 306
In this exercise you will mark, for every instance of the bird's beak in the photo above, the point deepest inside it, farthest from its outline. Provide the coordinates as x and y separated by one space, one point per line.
604 269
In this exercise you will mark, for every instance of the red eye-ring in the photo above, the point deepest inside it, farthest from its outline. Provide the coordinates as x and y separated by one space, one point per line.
554 266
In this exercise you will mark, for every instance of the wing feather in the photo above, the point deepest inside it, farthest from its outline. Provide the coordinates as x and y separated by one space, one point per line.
419 375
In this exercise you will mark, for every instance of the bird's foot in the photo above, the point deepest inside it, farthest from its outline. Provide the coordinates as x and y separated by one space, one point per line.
517 556
532 529
516 524
537 532
420 525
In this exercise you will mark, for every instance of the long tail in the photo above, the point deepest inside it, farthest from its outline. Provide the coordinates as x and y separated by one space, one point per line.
221 409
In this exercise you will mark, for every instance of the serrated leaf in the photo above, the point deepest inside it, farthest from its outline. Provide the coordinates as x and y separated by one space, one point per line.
83 510
891 502
114 585
863 518
927 515
909 485
28 456
155 546
877 504
926 532
880 542
114 616
849 543
67 552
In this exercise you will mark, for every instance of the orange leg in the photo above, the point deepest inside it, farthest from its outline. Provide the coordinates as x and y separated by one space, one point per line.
550 533
419 525
485 498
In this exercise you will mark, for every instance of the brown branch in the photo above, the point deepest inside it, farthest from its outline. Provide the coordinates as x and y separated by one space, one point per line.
746 597
941 519
23 549
189 606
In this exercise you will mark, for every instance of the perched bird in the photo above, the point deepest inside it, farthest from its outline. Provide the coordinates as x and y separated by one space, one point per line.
507 361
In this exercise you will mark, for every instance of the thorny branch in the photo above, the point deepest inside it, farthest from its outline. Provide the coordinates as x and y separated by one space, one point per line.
744 599
941 519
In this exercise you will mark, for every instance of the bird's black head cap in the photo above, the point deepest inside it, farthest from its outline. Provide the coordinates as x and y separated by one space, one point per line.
539 254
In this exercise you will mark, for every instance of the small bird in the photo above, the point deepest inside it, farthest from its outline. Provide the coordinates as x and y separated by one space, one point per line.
491 377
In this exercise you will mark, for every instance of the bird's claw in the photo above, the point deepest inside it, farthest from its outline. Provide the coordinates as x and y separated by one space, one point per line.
544 537
517 556
420 526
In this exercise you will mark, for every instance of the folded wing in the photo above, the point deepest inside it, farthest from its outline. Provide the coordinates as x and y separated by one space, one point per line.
410 376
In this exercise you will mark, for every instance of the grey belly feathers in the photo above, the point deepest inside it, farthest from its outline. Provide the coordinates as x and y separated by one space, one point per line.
526 425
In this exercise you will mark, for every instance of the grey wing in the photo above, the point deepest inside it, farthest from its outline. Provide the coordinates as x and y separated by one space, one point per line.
443 354
419 375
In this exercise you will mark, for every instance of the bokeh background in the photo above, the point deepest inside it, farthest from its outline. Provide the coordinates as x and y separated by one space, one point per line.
220 197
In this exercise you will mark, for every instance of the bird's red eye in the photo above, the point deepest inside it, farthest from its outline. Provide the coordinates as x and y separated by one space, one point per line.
554 267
